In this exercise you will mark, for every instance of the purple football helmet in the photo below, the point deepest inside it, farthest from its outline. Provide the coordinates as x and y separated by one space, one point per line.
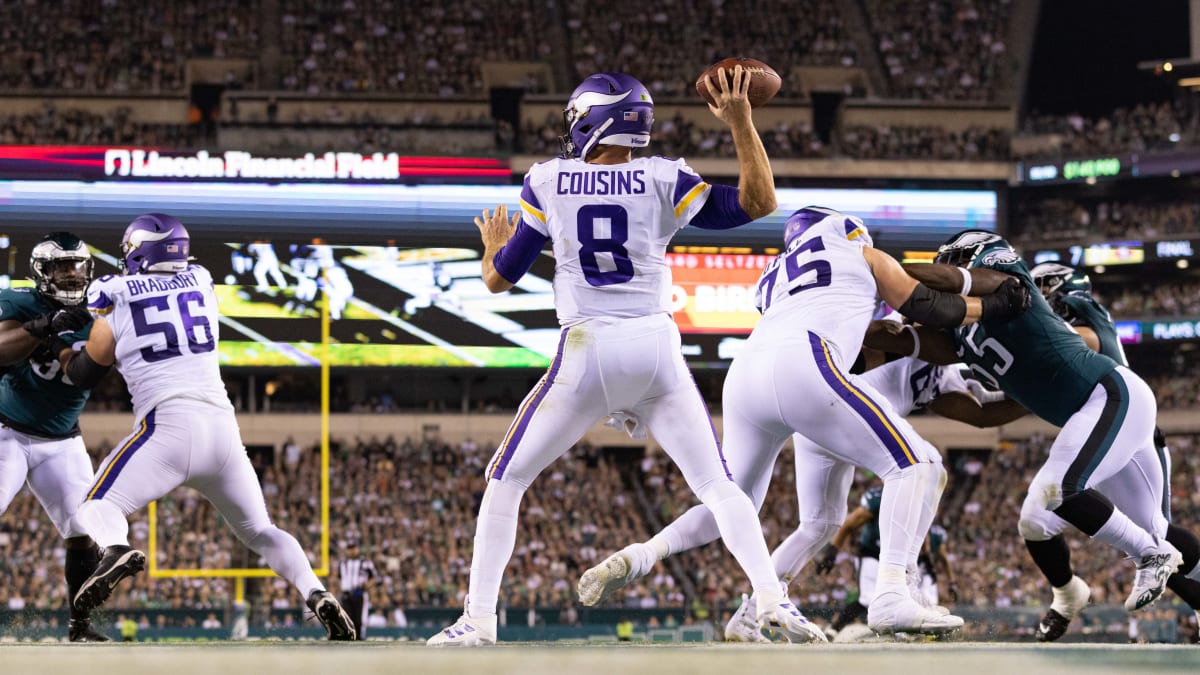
611 107
802 219
155 242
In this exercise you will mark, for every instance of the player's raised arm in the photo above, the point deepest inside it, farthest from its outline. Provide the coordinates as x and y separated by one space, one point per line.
938 308
756 182
973 282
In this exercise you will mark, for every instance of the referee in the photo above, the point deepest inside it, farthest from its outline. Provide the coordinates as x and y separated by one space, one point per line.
355 574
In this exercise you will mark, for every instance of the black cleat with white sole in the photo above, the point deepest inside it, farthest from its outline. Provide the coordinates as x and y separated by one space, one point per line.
1052 626
117 563
331 615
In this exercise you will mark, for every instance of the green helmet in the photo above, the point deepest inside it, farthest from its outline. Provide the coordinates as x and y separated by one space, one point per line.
963 248
60 266
1055 280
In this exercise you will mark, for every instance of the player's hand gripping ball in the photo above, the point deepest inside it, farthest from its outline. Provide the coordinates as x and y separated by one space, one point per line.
764 81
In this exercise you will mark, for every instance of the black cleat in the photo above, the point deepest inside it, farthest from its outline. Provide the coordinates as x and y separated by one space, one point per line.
81 630
117 563
331 615
1052 626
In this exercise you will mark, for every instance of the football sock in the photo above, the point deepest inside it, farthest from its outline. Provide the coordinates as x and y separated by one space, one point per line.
740 529
495 537
81 562
696 527
1053 558
1096 516
104 522
904 495
284 555
934 475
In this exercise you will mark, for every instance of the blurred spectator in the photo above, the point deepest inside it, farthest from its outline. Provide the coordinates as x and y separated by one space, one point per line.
941 50
116 47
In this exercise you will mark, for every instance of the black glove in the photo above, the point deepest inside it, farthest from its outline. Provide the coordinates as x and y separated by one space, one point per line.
70 319
1010 300
39 326
828 557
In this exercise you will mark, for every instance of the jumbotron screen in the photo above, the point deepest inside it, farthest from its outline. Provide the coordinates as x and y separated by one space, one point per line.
401 264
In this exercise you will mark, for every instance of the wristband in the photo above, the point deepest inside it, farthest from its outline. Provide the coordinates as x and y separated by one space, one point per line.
966 273
912 330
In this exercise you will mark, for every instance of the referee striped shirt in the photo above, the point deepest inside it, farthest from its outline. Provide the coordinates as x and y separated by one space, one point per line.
355 572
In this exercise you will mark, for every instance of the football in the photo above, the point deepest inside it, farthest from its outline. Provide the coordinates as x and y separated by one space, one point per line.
764 81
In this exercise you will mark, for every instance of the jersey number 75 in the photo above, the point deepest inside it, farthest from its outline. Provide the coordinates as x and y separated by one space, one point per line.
796 271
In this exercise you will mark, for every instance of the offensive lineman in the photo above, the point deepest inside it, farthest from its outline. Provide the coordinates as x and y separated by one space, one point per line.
817 298
39 408
609 218
1102 475
1069 294
158 323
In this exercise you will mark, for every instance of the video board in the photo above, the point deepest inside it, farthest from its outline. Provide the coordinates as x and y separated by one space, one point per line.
401 264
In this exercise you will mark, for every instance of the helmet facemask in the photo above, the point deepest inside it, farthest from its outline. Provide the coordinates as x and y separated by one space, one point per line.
61 268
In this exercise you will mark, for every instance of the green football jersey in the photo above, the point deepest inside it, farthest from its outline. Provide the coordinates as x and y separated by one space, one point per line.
1083 310
35 396
1036 359
868 536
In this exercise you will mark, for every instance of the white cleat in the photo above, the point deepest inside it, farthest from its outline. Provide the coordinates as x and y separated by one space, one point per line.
781 616
1152 572
599 582
743 627
467 632
897 613
913 578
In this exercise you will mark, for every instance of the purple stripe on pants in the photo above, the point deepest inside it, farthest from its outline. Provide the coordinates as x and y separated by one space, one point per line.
860 403
517 431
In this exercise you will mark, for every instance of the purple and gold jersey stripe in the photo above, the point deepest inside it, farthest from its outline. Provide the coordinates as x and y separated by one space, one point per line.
529 408
530 203
688 186
121 458
101 305
887 433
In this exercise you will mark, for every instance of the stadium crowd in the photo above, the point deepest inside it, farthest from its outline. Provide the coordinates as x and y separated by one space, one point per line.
75 126
1148 126
664 44
1062 219
114 47
413 503
941 50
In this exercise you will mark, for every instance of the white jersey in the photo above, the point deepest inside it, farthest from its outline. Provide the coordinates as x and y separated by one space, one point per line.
821 283
910 384
610 225
166 330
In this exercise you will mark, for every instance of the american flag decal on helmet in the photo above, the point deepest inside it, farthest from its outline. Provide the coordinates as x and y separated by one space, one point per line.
630 115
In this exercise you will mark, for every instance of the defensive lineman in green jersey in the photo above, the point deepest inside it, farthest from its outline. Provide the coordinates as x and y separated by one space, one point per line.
1069 293
39 407
1102 475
